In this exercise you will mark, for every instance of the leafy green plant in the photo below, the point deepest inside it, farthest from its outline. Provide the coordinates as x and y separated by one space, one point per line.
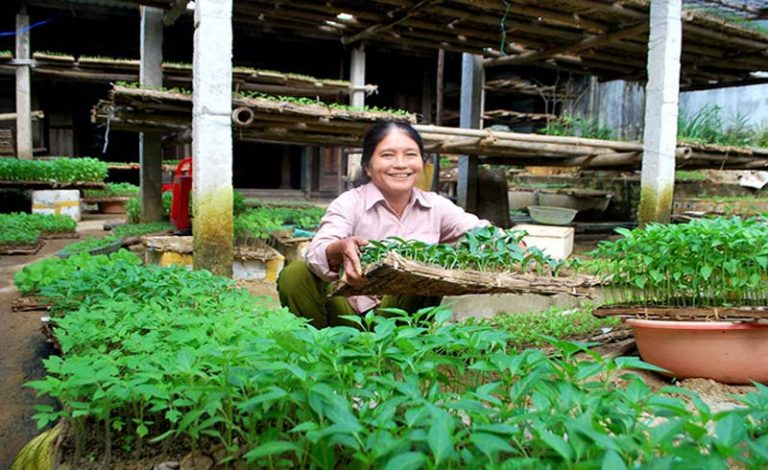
582 127
136 230
710 262
133 208
89 245
26 229
113 190
482 249
238 203
38 275
687 175
708 127
531 329
61 170
399 391
256 224
259 223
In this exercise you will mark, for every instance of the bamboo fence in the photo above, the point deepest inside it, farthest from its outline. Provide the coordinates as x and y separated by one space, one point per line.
107 69
262 119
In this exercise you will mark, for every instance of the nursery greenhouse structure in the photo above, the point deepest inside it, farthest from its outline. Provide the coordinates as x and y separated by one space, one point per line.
383 234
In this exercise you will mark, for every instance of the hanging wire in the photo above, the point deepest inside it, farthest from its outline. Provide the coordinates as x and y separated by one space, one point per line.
110 115
24 29
503 26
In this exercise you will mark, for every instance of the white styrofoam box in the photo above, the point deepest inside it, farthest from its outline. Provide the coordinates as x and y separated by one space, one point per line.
57 201
257 264
553 240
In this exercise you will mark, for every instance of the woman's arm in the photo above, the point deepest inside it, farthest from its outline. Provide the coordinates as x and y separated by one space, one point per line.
346 253
335 245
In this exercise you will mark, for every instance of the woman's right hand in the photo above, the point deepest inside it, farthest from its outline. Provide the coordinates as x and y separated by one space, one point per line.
346 253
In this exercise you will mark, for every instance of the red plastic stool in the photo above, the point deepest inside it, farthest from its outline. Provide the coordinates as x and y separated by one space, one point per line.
182 185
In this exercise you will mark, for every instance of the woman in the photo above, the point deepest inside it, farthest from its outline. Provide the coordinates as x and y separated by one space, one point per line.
384 203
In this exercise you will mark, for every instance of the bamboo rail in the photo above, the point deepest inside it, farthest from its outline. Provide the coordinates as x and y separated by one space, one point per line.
261 119
98 69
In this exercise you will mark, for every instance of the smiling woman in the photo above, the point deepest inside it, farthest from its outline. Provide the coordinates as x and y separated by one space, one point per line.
384 203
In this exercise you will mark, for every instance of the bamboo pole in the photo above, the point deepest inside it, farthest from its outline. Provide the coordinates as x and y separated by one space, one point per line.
12 116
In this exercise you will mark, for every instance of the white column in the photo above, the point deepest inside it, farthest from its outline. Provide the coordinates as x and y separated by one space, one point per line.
23 87
470 113
357 76
212 136
150 143
661 108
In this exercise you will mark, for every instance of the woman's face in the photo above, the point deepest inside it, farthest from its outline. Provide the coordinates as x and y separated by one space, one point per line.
396 164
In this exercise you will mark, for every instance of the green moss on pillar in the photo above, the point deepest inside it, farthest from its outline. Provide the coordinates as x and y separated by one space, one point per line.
212 231
655 206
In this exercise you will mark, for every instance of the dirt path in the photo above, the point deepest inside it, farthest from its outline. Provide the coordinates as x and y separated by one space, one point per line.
22 349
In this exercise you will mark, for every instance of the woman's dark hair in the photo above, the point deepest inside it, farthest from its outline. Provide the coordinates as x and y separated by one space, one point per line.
374 136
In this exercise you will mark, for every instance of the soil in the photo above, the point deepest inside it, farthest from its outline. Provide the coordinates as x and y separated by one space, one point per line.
23 349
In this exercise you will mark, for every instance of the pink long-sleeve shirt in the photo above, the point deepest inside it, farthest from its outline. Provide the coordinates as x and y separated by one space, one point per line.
364 212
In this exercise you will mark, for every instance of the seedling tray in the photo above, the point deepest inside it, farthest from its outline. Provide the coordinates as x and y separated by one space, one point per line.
396 275
30 249
735 314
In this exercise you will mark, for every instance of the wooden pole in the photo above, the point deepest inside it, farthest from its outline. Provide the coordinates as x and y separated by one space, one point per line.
472 77
440 85
150 143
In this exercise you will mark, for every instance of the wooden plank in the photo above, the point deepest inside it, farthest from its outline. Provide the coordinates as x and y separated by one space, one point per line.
397 275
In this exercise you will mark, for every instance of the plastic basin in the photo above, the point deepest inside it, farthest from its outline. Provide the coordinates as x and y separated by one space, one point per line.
551 215
727 352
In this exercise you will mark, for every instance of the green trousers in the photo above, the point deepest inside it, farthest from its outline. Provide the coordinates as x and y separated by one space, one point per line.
306 295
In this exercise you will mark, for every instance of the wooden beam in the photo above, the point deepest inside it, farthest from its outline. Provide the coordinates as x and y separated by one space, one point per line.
590 42
399 16
178 8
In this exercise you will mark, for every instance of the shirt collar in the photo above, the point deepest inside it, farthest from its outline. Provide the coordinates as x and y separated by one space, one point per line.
373 196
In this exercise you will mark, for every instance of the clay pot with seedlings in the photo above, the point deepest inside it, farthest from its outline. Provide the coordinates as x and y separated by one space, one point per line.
680 280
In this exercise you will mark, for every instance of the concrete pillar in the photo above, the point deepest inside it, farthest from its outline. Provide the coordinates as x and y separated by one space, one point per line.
661 101
471 108
357 76
23 87
150 143
212 136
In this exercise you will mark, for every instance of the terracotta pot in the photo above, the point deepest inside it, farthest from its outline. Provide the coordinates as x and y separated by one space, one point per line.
727 352
112 207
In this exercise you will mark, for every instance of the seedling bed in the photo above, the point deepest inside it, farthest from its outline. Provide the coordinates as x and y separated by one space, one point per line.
60 236
657 312
396 275
30 249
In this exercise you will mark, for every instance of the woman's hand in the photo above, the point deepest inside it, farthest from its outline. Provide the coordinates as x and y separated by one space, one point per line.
346 253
